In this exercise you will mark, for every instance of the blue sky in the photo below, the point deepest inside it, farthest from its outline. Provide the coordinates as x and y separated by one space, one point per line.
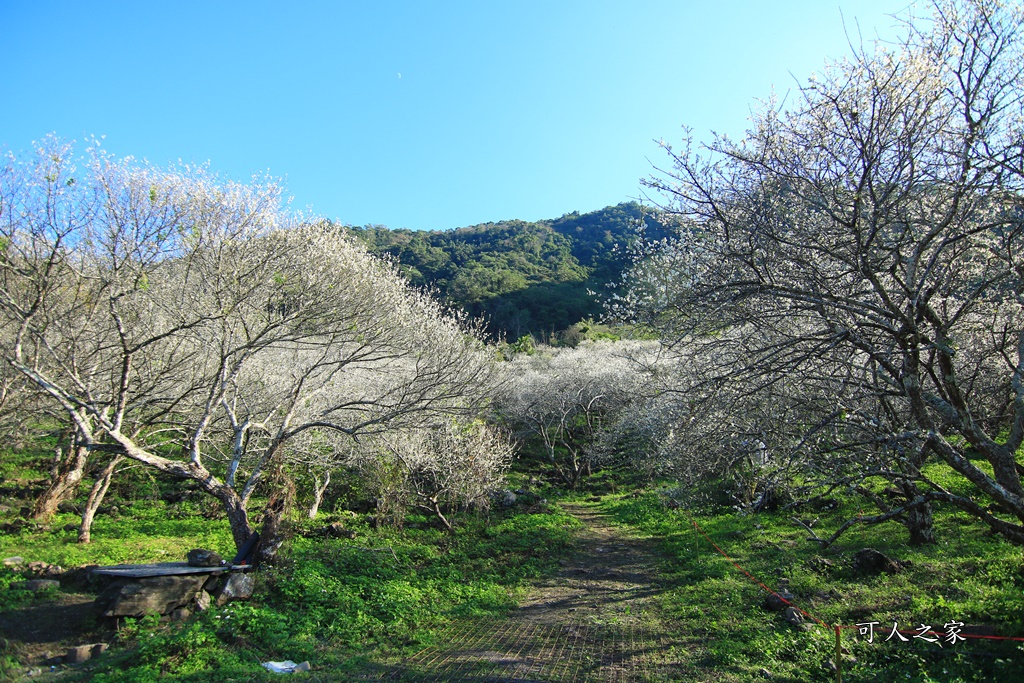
426 115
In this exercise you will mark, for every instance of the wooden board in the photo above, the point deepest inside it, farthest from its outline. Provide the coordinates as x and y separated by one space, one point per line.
138 571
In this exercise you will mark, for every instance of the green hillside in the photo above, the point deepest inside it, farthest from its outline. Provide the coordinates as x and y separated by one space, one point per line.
525 278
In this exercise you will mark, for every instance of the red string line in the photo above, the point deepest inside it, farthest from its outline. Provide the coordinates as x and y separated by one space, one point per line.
752 577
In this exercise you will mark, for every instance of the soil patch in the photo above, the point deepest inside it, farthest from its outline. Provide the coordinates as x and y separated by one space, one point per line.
35 633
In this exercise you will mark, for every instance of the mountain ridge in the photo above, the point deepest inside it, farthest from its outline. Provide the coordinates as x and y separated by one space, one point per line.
524 277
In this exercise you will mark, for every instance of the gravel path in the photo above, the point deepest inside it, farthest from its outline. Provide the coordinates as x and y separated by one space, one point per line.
593 621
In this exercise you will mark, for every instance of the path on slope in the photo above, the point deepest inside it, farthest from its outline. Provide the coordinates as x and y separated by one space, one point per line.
595 620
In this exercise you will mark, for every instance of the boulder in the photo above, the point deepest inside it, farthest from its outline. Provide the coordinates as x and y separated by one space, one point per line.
793 616
779 601
36 585
204 558
869 562
203 601
77 655
159 594
338 530
84 653
238 586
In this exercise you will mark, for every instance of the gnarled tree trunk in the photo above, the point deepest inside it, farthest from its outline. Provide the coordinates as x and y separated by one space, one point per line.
65 476
273 534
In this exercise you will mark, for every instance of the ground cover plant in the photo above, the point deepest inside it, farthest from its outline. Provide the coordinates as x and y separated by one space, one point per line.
329 599
970 576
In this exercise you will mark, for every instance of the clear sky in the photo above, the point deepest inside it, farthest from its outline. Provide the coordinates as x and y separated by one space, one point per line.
426 115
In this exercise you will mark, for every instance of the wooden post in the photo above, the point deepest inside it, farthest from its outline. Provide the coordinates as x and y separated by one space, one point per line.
839 657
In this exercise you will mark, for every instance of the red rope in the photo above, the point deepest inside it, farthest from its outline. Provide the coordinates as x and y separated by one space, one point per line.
752 577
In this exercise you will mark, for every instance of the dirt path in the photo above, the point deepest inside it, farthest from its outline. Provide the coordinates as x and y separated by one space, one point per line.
593 621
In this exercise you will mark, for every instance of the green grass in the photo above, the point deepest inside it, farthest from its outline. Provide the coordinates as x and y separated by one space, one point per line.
329 600
968 576
392 591
146 531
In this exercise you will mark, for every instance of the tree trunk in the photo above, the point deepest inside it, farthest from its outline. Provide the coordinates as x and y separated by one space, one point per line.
274 532
65 477
919 523
319 488
238 516
99 490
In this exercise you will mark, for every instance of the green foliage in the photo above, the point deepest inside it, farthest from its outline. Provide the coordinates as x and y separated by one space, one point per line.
145 531
969 577
330 599
526 278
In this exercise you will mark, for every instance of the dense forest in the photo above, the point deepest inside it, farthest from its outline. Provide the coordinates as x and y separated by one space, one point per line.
525 278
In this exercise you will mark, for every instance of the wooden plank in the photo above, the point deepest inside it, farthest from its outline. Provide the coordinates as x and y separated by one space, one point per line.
137 571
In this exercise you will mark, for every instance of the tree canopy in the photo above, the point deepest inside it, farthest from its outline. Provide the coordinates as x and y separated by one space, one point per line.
854 264
198 328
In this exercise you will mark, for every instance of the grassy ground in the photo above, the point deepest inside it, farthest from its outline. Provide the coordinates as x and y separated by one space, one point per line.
331 599
968 576
387 594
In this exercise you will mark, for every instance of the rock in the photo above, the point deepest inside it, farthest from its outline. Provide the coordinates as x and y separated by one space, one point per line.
777 602
338 530
507 499
43 569
820 565
77 655
869 562
204 558
203 601
80 578
15 561
793 616
239 586
83 653
36 585
159 594
180 614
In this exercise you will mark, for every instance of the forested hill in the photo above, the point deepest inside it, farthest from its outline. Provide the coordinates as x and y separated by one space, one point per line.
526 278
